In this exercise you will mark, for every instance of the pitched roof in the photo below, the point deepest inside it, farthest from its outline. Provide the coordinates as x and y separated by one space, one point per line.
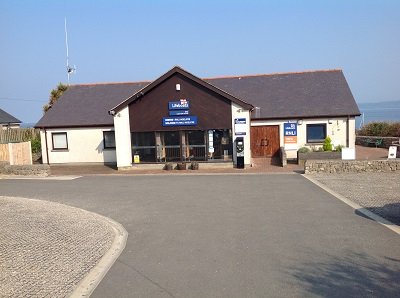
286 95
88 105
6 118
293 95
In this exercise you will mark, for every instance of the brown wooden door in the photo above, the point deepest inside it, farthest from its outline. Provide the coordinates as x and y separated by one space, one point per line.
264 141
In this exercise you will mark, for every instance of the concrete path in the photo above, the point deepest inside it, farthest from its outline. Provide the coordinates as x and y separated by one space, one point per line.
273 235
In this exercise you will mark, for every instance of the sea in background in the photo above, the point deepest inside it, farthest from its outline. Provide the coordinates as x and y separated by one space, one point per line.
378 111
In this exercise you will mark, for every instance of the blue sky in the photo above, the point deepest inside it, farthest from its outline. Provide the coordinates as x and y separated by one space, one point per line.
120 41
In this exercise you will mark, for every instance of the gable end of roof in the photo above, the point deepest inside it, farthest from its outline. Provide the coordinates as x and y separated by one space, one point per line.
188 75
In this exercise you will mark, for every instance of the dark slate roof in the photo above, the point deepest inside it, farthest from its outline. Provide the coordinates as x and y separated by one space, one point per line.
289 95
6 118
88 105
293 95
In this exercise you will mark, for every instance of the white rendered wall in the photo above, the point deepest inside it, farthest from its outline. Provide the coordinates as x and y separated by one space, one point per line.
43 145
85 145
123 138
239 112
335 129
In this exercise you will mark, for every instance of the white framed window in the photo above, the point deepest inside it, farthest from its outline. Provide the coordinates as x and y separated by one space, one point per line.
109 139
60 141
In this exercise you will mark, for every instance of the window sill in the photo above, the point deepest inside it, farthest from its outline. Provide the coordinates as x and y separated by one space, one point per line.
60 150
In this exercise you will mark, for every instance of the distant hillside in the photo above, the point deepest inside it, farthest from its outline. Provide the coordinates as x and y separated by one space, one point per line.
27 125
380 105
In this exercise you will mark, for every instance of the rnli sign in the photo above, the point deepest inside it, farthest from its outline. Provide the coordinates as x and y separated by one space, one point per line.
290 132
182 104
180 121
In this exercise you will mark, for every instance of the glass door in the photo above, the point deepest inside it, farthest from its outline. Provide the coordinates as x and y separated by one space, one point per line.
195 145
171 145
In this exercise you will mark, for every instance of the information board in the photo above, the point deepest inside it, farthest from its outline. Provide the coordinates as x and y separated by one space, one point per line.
179 121
240 126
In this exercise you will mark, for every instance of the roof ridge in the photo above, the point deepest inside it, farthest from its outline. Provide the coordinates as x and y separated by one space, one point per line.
109 83
273 74
217 77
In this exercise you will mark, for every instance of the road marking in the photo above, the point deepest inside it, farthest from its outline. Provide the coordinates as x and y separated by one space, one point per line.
388 224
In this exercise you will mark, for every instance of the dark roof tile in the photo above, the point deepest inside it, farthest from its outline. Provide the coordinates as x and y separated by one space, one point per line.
87 105
6 118
284 95
306 94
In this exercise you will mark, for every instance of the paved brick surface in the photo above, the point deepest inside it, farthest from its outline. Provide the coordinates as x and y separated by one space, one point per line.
266 165
46 248
377 192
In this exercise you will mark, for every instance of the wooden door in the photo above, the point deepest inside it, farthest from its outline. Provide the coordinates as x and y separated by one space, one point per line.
264 141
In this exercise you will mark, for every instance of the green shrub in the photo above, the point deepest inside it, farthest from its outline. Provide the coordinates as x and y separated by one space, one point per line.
380 129
327 146
36 146
304 150
338 148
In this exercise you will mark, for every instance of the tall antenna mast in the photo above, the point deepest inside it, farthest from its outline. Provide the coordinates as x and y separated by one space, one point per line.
70 70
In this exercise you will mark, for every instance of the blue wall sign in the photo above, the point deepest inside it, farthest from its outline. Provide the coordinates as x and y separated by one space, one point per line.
182 104
290 129
240 120
178 112
180 121
240 126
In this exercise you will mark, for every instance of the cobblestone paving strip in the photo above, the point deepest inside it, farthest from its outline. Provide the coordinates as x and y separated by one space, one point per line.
377 192
47 248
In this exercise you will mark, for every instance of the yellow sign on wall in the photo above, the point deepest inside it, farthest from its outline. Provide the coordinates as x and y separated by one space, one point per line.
136 158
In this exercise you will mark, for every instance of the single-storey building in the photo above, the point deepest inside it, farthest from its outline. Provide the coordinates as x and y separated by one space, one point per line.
8 121
181 117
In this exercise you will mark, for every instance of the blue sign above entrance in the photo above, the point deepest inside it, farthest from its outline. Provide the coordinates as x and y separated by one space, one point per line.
180 121
290 129
182 104
179 112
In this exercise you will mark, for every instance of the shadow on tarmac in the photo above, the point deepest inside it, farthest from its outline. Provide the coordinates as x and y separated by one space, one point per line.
353 275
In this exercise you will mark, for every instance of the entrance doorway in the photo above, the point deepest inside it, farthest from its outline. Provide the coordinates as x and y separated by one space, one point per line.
190 145
264 141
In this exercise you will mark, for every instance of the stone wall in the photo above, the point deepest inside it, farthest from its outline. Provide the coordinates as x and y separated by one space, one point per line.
323 155
26 170
350 166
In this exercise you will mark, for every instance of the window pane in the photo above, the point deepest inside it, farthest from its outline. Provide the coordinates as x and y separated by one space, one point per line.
196 137
144 145
109 139
316 133
143 139
60 140
222 144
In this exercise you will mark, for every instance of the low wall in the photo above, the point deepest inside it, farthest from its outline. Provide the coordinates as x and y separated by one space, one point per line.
303 157
350 166
26 170
387 141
